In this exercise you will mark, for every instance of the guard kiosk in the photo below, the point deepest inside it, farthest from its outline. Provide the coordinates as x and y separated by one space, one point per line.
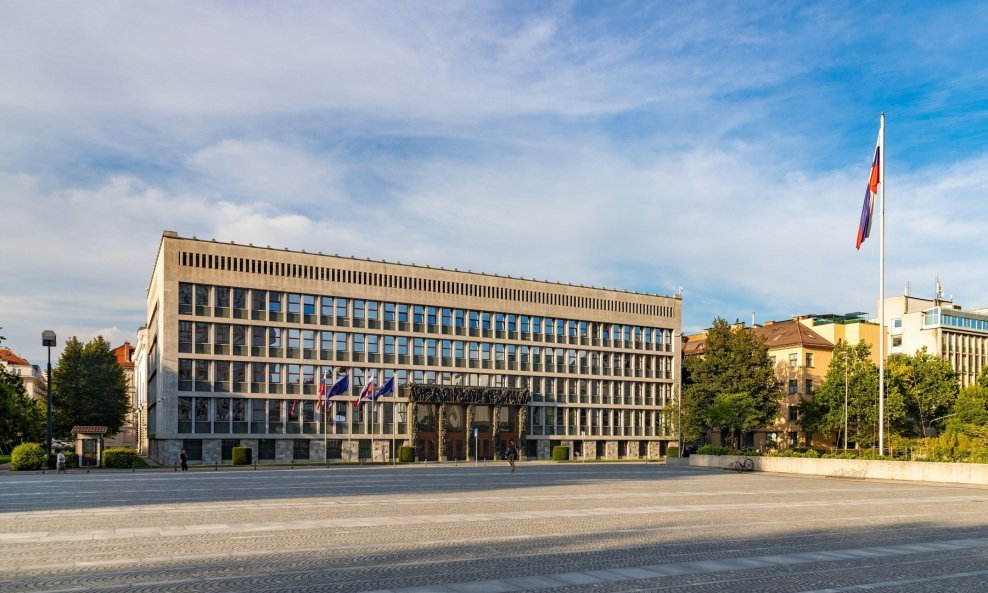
89 445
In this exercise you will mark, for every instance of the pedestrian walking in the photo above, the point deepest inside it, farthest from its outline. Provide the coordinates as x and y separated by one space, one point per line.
60 463
184 458
512 455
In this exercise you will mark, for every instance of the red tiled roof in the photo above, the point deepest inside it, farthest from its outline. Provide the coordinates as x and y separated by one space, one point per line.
6 354
125 354
89 430
791 333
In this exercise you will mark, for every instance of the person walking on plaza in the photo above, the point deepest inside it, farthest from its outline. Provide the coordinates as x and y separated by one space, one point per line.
184 458
512 455
60 463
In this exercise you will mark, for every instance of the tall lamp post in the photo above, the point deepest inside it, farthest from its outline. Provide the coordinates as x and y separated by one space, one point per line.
679 400
48 340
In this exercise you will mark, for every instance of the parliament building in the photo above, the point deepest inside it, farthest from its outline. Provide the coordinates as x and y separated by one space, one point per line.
239 339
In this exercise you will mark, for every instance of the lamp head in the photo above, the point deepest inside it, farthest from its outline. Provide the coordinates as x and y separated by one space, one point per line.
48 338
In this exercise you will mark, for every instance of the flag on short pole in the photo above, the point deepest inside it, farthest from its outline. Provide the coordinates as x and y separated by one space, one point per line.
366 393
871 195
322 393
341 386
387 389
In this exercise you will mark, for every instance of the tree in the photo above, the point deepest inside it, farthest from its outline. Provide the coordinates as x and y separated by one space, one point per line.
930 388
737 412
735 361
88 388
969 414
851 365
983 377
20 416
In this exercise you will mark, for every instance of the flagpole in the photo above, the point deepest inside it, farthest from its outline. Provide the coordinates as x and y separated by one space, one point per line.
881 294
324 405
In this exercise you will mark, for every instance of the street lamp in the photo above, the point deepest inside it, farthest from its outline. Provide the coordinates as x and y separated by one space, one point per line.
679 401
48 340
847 354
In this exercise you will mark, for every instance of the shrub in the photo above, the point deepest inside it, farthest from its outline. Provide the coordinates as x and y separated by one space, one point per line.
243 456
119 457
713 450
406 454
27 457
560 453
672 451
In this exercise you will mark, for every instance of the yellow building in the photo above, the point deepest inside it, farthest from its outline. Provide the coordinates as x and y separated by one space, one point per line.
801 350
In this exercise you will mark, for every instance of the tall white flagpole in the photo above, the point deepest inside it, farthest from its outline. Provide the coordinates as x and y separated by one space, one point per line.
881 292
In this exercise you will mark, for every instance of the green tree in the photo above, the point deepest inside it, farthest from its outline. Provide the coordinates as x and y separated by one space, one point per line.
88 388
969 414
851 371
983 377
21 418
735 361
736 412
930 388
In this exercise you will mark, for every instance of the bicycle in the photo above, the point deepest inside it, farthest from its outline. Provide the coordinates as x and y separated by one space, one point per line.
743 464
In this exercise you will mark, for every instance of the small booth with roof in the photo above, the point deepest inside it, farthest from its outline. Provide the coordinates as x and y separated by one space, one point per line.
89 444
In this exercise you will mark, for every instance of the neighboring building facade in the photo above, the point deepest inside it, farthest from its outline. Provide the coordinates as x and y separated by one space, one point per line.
127 435
35 381
801 350
944 328
238 339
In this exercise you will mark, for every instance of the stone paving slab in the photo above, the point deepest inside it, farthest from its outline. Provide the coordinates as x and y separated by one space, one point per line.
550 529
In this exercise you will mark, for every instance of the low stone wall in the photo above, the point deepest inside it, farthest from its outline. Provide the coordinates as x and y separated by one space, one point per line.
916 471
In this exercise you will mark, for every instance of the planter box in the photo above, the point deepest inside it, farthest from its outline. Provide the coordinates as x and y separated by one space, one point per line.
914 471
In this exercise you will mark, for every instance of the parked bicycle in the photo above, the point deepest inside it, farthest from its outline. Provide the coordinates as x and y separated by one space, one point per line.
744 464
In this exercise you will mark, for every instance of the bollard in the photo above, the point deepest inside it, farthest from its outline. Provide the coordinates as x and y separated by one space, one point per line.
176 467
131 466
216 466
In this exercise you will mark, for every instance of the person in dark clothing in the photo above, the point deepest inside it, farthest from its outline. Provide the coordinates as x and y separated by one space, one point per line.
184 458
511 455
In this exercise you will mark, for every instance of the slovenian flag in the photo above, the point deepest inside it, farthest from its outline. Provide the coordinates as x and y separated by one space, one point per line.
387 389
322 393
871 195
366 393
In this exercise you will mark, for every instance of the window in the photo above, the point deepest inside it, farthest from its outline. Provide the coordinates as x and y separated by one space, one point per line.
793 386
809 360
808 386
896 341
300 449
793 359
793 413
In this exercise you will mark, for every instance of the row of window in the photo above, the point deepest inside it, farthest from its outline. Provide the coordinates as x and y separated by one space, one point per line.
222 376
226 415
794 360
273 268
274 342
265 305
266 449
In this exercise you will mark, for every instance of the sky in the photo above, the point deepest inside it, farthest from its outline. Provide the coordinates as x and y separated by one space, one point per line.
717 148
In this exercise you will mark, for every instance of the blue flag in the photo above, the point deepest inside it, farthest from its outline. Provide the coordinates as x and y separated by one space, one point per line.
341 387
387 389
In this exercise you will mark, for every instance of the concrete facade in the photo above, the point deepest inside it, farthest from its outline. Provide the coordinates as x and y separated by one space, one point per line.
943 328
239 337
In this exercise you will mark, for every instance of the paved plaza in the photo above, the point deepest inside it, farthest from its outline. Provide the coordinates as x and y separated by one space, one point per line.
622 527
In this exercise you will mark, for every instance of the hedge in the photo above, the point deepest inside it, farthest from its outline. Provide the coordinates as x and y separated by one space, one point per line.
406 454
713 450
672 451
560 453
27 457
119 457
243 456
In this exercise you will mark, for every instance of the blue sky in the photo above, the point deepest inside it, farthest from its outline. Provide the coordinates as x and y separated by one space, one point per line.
720 147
